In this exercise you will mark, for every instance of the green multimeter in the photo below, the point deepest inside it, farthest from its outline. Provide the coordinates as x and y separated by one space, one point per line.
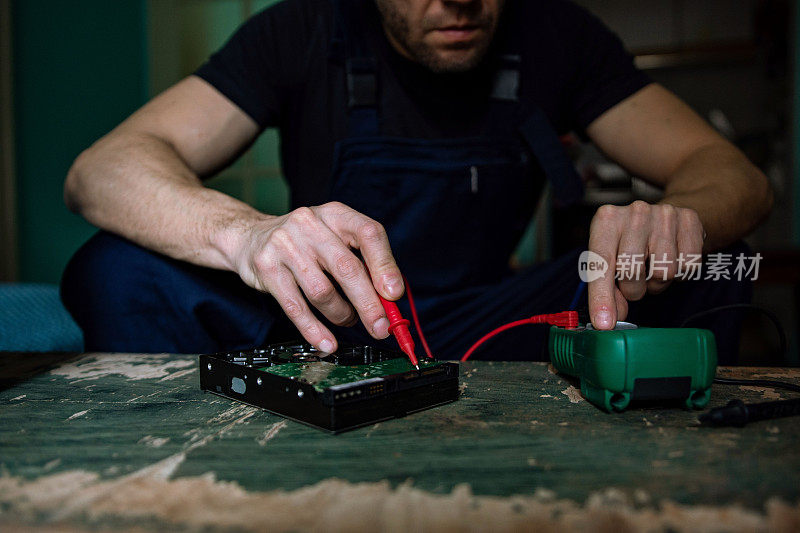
631 363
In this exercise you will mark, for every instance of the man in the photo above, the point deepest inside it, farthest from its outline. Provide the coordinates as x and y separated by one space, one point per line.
418 133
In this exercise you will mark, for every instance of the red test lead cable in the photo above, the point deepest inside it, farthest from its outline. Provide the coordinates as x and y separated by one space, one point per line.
398 326
417 325
564 319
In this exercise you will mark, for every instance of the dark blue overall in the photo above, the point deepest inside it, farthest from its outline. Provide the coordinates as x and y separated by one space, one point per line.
454 210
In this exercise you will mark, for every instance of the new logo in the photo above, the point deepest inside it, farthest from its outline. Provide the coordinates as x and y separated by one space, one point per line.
591 266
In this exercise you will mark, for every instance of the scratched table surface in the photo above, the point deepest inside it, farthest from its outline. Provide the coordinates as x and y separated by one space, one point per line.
83 440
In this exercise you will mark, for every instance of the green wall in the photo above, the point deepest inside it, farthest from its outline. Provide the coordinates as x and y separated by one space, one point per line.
80 67
183 33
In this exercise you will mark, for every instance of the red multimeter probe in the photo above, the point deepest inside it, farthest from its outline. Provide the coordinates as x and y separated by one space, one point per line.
398 326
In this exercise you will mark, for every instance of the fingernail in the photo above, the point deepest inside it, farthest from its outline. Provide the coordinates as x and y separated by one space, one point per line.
326 346
381 328
393 286
604 319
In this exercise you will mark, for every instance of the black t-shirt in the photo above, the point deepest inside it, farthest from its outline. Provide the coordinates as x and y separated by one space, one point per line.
277 69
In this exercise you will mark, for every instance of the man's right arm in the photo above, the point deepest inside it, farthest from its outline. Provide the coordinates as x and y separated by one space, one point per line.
142 181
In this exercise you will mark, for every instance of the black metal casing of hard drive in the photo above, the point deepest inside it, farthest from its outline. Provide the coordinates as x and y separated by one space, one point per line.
240 376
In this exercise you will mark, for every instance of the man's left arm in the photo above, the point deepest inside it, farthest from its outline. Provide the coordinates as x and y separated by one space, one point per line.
713 195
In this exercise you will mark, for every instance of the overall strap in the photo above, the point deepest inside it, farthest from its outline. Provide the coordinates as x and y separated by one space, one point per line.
504 108
349 46
542 139
505 86
535 127
537 132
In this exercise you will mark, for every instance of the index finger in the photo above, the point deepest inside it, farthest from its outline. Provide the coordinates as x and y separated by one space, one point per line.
604 241
370 237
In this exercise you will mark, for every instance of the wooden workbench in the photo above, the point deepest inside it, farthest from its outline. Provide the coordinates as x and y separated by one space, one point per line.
109 441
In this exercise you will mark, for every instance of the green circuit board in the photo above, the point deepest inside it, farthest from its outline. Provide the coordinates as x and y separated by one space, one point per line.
322 374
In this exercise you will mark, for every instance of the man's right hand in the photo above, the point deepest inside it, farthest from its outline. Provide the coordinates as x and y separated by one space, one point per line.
293 255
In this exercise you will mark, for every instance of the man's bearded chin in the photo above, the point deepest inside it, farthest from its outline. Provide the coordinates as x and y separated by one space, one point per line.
450 60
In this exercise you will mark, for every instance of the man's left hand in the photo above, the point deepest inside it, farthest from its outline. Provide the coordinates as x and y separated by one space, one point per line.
644 235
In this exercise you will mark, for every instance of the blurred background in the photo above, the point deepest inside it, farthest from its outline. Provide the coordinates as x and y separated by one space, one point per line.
73 70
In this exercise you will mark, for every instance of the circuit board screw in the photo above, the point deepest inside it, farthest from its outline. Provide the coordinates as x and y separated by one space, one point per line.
299 394
258 381
209 366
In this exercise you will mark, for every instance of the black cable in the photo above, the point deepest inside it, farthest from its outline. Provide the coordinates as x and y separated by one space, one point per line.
759 383
772 316
737 413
